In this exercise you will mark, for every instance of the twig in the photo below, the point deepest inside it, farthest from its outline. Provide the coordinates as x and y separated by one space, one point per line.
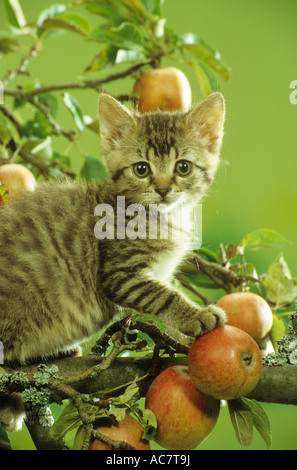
223 277
82 85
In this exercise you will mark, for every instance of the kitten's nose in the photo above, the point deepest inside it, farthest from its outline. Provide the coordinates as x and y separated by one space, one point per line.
162 190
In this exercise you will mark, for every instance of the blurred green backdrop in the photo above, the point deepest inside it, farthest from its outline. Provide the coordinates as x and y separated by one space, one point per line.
256 185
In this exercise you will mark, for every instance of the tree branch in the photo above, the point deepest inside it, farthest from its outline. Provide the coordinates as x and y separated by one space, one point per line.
82 85
278 384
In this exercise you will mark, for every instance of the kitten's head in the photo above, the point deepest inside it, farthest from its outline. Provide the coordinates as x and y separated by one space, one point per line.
162 157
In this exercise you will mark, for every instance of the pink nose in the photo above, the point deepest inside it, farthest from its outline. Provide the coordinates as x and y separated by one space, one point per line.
163 190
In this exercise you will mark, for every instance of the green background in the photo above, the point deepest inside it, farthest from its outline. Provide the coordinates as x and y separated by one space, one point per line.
256 184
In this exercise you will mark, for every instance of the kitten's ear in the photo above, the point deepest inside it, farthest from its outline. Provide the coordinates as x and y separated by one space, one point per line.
207 120
114 118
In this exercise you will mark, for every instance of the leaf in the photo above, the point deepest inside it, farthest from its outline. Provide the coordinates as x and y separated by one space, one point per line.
70 22
153 7
68 420
129 393
38 128
277 331
8 44
118 414
104 60
50 12
135 7
15 14
4 440
125 36
260 419
79 438
205 86
74 107
110 9
263 238
279 284
94 170
242 421
150 424
205 53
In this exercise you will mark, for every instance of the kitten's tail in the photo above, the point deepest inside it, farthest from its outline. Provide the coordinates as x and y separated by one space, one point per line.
12 412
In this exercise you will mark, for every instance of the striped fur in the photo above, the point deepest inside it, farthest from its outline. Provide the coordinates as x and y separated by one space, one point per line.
59 284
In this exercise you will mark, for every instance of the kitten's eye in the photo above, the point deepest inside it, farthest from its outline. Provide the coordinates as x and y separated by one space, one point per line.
183 168
141 169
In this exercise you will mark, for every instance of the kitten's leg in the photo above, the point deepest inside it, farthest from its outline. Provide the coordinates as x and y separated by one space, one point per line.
149 296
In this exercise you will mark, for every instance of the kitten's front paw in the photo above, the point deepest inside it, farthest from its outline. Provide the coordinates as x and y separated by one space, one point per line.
207 319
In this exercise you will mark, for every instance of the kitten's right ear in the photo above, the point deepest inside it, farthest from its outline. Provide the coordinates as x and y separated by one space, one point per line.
114 118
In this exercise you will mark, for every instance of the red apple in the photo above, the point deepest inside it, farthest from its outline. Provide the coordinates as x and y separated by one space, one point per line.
225 363
16 178
166 89
129 431
185 416
249 312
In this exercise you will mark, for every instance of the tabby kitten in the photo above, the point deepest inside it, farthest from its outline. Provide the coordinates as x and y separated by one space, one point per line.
59 284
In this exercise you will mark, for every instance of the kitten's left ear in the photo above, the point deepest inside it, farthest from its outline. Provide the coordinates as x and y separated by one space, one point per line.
207 119
114 118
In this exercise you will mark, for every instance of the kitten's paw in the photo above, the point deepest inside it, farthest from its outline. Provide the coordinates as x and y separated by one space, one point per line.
207 319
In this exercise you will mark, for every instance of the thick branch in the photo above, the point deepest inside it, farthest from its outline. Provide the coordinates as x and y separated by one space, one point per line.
278 384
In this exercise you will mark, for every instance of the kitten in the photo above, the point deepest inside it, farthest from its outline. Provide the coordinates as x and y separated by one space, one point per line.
59 284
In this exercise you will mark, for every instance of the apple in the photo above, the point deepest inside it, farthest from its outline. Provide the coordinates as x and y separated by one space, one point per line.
249 312
166 89
185 416
16 178
129 431
225 363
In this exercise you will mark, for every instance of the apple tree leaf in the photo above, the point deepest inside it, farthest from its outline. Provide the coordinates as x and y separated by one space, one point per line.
15 14
277 331
94 170
150 424
263 238
260 419
68 420
279 284
242 421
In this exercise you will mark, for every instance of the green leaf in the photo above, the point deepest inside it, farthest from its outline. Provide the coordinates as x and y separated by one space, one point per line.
79 438
263 238
118 414
153 7
38 128
150 424
203 80
135 7
277 331
260 419
8 44
70 22
15 14
68 420
94 170
125 36
4 439
104 60
74 107
242 421
279 284
129 393
205 53
110 9
50 12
